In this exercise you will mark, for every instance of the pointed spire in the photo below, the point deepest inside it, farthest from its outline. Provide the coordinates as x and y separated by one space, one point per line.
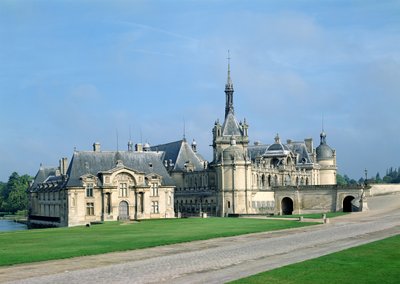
229 90
229 80
184 129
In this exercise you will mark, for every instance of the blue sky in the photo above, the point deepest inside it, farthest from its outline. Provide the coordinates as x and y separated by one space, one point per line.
76 72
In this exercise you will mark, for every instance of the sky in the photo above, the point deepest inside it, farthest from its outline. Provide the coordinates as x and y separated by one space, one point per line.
77 72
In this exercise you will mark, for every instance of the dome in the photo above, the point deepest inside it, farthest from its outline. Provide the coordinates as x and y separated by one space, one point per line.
233 153
146 147
277 147
324 152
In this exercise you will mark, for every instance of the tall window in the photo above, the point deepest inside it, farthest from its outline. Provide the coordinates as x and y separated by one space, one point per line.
123 189
154 189
90 208
154 207
89 190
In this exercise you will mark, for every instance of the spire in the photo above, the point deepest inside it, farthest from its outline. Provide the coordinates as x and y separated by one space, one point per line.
229 90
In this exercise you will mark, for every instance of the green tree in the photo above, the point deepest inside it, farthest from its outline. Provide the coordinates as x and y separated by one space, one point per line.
340 180
378 178
13 194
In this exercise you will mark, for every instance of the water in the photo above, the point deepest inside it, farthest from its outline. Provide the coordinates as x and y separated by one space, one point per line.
8 225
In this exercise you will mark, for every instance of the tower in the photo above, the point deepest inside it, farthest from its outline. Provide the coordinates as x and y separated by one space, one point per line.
326 158
230 128
231 163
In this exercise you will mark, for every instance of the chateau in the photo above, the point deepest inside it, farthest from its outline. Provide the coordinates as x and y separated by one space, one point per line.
173 179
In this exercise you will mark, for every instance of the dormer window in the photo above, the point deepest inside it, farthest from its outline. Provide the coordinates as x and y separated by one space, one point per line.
89 190
154 189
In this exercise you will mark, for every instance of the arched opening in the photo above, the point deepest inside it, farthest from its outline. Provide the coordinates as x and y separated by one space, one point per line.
269 180
123 211
287 206
347 205
263 180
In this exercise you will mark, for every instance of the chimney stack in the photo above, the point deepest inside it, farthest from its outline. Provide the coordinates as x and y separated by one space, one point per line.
63 166
139 147
96 147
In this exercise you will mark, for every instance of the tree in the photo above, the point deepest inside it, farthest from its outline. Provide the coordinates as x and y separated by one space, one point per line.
13 195
340 180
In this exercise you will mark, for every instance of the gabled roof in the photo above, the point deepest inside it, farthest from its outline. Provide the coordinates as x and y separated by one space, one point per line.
180 153
89 162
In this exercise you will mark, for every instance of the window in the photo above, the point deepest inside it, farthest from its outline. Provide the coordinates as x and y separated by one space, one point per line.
89 190
123 189
90 208
154 207
154 189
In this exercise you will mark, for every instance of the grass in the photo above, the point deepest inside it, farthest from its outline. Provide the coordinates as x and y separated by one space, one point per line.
377 262
313 215
46 244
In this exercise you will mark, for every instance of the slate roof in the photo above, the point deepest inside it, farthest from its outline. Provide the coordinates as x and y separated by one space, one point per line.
47 176
298 148
89 162
180 153
231 126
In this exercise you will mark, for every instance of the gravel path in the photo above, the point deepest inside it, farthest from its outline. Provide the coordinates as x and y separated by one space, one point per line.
219 260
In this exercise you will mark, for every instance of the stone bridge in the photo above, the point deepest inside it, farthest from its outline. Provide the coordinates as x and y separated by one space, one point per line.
318 199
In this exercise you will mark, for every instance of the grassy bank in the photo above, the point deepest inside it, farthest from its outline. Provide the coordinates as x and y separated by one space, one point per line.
377 262
46 244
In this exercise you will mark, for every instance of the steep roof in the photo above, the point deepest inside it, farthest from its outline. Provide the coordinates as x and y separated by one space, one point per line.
231 126
89 162
180 153
48 176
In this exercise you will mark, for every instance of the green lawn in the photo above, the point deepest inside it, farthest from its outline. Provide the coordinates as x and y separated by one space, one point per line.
45 244
312 216
377 262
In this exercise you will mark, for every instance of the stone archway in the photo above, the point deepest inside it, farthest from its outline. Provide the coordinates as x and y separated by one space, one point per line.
287 206
123 212
347 203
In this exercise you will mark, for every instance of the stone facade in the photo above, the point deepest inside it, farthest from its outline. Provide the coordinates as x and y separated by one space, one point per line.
242 177
102 186
167 180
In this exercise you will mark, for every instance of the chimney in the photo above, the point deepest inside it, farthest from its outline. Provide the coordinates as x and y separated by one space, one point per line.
96 147
63 166
309 144
130 146
139 147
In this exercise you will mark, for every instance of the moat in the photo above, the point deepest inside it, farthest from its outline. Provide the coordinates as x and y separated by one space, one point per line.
10 225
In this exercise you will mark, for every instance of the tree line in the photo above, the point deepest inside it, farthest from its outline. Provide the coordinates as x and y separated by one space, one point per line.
13 195
392 176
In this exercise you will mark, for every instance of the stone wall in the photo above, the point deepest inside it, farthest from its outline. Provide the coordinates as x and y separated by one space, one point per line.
382 189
